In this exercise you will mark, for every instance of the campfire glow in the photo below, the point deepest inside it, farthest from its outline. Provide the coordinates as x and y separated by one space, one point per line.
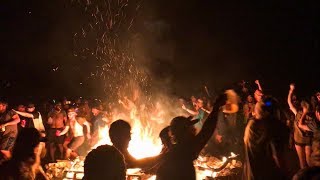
103 137
143 142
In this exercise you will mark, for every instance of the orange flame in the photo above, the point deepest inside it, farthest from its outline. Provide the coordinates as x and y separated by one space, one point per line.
143 143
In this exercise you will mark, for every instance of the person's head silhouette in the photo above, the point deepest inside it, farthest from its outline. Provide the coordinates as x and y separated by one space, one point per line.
26 143
104 162
181 128
165 137
120 134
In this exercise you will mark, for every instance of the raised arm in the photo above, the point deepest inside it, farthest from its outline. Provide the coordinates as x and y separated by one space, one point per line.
258 84
194 113
205 110
24 114
124 105
292 108
210 124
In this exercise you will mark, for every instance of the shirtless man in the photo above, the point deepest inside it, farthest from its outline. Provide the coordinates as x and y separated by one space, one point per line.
56 121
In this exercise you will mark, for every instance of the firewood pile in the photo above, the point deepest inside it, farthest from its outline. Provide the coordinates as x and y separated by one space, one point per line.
207 167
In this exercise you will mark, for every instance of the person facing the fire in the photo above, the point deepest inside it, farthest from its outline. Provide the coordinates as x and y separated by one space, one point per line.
177 163
165 139
120 136
104 162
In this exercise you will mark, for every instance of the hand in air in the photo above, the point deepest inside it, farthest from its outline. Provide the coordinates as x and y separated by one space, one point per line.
292 87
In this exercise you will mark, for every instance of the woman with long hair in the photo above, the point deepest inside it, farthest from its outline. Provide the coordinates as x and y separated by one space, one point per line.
302 141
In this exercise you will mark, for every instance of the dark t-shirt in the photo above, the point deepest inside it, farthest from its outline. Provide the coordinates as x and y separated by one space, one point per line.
10 130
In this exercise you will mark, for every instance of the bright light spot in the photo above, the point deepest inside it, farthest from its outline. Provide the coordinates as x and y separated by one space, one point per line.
103 137
133 171
224 159
233 154
207 173
154 177
214 174
142 143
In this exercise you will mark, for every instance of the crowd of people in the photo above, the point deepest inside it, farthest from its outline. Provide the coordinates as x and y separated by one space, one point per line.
246 121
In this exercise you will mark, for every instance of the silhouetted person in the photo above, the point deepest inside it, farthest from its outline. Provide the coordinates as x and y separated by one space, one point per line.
25 160
120 136
264 140
312 172
166 146
165 139
178 162
104 162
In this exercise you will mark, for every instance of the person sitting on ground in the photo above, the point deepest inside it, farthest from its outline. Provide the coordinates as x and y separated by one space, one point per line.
25 160
104 162
178 162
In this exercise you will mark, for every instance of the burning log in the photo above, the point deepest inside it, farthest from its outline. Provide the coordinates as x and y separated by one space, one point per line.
206 168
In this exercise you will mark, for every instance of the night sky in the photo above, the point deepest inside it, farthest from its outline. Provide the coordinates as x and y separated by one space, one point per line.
200 42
